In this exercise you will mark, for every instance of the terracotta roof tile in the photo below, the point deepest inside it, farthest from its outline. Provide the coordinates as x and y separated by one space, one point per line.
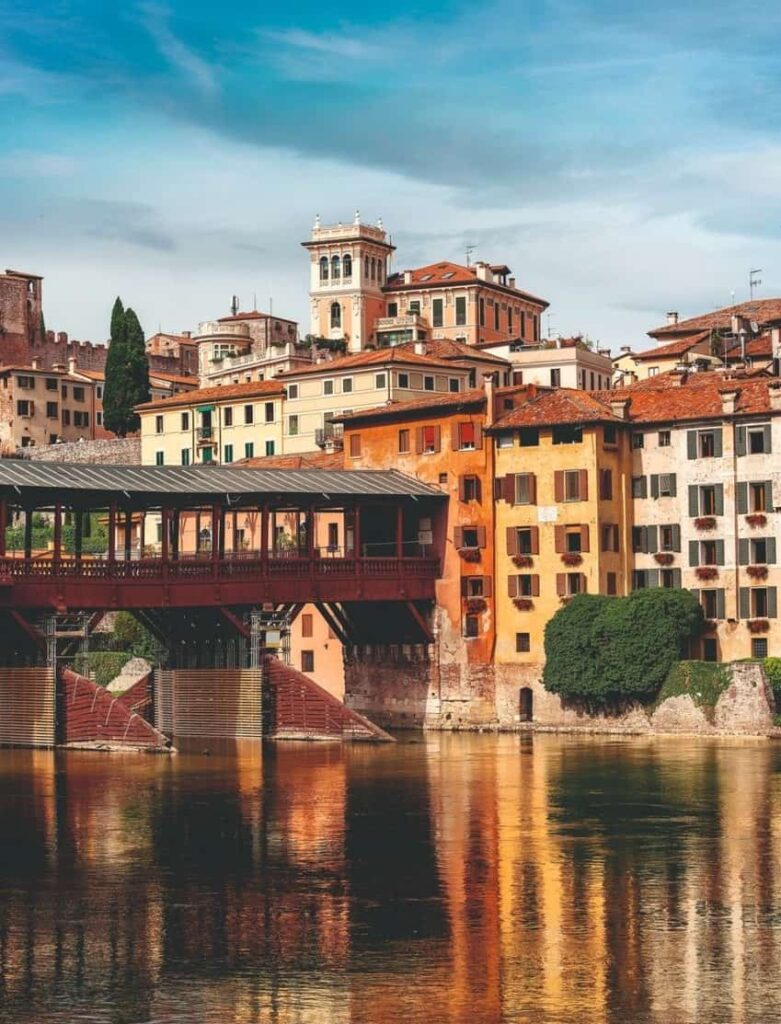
306 460
676 397
247 389
563 405
673 348
449 348
461 399
764 311
376 357
446 273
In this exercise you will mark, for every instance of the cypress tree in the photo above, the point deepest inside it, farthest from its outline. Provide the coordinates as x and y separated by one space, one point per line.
137 367
127 372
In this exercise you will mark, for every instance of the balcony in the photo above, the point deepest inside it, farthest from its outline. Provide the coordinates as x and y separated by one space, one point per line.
330 436
393 323
205 435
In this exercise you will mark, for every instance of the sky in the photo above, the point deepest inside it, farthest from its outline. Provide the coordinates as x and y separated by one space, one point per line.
623 158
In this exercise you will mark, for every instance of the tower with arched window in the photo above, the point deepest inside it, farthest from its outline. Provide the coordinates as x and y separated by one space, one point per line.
349 265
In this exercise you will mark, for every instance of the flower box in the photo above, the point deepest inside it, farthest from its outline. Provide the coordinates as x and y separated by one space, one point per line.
756 519
663 558
523 603
475 604
705 523
757 572
709 625
706 572
523 561
571 558
470 554
758 625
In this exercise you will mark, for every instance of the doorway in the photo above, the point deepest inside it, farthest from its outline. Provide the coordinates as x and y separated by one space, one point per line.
526 706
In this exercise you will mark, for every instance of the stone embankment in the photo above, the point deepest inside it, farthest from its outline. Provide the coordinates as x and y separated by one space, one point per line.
119 451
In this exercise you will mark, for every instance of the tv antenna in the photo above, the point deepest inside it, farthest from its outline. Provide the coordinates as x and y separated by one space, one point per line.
754 281
469 250
549 316
235 305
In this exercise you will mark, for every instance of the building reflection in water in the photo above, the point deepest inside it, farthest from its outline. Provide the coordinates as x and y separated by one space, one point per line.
450 879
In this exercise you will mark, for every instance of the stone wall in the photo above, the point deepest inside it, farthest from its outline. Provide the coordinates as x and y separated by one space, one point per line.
124 451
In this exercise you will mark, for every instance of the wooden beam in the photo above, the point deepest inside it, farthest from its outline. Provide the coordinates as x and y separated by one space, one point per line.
424 627
29 629
241 628
333 625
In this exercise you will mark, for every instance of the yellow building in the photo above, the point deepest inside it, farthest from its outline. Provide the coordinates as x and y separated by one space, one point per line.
222 424
563 515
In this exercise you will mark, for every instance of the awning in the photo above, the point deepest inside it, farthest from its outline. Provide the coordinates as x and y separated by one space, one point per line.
205 408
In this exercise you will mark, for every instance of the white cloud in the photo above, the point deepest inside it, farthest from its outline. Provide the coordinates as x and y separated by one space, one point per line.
189 63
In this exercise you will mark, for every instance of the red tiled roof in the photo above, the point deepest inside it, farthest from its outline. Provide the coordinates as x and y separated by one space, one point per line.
675 397
756 348
455 400
382 356
306 460
247 389
174 378
764 311
673 348
563 405
254 315
446 273
448 348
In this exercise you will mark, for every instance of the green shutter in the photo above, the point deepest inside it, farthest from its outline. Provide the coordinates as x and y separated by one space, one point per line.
676 537
653 577
744 551
719 552
673 485
677 579
718 447
742 499
769 495
768 438
653 539
694 552
654 485
695 594
744 603
694 500
770 545
772 603
691 443
719 499
740 440
720 606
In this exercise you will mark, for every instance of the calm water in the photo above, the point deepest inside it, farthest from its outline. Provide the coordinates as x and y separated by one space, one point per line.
450 879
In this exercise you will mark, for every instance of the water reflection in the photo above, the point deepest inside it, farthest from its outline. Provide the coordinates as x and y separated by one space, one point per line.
451 879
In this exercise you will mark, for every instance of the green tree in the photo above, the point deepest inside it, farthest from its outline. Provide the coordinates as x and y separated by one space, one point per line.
608 650
127 372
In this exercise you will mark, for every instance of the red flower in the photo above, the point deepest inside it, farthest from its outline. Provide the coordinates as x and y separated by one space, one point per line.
571 558
758 625
663 558
757 572
523 561
705 523
706 572
523 603
756 519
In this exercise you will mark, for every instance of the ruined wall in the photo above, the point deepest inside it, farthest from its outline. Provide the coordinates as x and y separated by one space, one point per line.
125 451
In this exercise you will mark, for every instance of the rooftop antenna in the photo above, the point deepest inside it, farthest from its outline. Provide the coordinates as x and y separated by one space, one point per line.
754 281
235 305
469 250
255 301
549 316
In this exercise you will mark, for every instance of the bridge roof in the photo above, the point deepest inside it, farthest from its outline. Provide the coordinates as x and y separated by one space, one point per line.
143 484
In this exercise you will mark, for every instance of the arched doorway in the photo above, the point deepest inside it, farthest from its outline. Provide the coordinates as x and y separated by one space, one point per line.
526 704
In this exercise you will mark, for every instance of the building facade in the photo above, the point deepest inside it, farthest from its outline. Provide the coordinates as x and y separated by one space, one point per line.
40 407
556 363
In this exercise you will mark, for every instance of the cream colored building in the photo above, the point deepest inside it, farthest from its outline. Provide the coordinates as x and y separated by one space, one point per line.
692 352
559 363
40 407
221 424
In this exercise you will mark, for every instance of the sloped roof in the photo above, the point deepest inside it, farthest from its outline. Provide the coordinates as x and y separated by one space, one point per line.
560 406
764 311
439 403
449 348
305 460
671 349
445 274
247 389
399 354
680 397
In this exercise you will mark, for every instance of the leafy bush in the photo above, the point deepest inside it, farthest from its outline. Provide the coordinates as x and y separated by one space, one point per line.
106 665
703 681
772 668
129 635
609 650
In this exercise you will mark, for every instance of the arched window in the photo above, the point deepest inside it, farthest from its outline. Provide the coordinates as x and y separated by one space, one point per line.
366 266
380 271
336 268
336 315
347 266
372 262
323 268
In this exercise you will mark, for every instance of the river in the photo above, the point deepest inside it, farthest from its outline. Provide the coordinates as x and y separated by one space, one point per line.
448 878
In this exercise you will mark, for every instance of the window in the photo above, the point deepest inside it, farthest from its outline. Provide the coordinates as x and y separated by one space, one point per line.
708 500
573 540
64 391
473 586
403 380
292 426
437 312
307 661
98 420
428 383
460 311
524 540
228 454
470 537
78 394
307 625
759 647
610 434
470 488
754 440
249 450
347 266
328 387
652 371
81 419
26 383
403 442
522 643
505 440
481 307
355 446
606 484
496 316
509 319
571 485
639 487
52 385
453 385
429 439
665 487
667 538
707 444
529 437
759 551
66 417
323 268
336 268
333 536
248 414
393 309
414 307
524 489
227 416
612 587
466 436
185 421
525 585
610 537
347 386
708 552
568 434
269 412
759 604
709 649
185 457
292 391
664 438
471 626
555 378
638 440
52 410
158 424
270 447
757 497
159 458
380 381
575 583
336 316
709 599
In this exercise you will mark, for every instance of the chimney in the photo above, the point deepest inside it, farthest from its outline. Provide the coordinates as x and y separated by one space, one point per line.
774 393
187 334
729 401
420 348
672 318
489 386
72 362
620 408
59 367
62 337
625 348
407 277
483 271
36 362
511 282
604 352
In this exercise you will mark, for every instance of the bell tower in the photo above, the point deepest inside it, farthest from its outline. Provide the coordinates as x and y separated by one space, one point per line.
349 265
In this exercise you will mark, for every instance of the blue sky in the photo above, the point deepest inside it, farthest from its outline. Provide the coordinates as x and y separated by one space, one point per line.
623 158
